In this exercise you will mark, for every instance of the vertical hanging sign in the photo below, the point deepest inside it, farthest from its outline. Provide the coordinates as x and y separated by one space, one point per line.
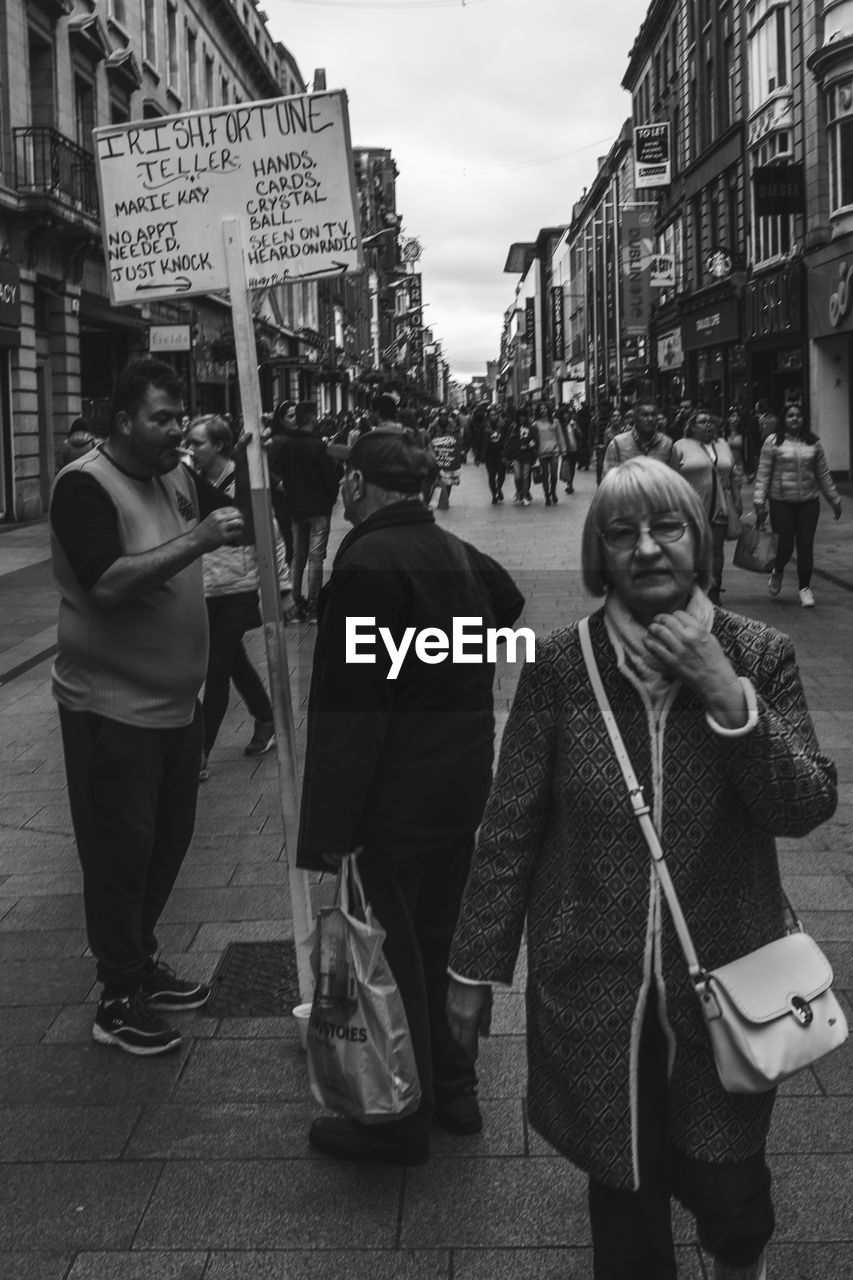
637 242
557 334
530 334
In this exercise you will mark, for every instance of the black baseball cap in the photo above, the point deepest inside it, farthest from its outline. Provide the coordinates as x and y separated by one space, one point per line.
390 458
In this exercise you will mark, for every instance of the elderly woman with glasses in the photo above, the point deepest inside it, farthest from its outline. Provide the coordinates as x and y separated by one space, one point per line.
710 706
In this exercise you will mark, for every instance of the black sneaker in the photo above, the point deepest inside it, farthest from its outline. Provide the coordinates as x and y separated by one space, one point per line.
129 1024
163 989
262 739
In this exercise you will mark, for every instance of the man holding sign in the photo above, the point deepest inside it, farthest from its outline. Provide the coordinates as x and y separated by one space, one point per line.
128 529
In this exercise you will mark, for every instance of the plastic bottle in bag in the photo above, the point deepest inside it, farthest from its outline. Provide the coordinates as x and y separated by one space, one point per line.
335 982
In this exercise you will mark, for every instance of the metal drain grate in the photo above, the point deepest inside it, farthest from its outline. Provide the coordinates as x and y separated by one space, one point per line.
254 980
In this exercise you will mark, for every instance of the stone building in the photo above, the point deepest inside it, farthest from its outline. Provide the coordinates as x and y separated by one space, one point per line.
66 68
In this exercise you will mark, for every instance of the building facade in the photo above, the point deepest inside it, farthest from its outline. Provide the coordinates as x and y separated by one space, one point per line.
66 68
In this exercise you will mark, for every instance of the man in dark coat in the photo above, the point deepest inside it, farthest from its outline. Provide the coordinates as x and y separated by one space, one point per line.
399 757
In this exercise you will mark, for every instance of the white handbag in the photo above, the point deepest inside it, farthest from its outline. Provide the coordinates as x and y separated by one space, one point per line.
772 1012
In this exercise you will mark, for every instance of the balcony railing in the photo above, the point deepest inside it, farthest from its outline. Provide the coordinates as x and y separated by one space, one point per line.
48 163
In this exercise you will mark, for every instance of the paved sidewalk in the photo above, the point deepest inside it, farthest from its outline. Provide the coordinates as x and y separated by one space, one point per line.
196 1165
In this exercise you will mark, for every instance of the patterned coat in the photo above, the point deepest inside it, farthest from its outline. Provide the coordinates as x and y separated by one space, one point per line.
560 847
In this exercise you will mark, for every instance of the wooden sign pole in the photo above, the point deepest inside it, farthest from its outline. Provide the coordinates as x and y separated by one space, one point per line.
288 770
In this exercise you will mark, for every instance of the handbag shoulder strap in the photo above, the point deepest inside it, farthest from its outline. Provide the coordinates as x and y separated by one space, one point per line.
638 801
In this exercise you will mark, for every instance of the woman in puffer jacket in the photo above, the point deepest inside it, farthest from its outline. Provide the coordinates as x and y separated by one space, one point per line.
792 473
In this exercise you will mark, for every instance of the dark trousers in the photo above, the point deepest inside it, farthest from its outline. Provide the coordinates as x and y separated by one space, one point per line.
417 903
281 511
632 1230
571 468
549 465
229 618
132 795
795 523
496 471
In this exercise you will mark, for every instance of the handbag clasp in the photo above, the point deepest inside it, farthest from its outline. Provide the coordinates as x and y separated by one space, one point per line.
802 1011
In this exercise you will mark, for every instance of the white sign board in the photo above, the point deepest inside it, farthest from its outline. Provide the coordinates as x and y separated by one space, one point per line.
283 168
652 166
169 337
662 268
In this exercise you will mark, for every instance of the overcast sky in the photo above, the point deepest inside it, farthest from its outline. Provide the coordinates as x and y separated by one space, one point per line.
495 111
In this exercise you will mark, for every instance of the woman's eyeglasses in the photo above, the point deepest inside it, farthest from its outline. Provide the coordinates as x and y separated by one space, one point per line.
621 535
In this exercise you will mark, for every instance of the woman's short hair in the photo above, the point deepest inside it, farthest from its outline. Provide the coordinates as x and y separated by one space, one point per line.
648 483
218 431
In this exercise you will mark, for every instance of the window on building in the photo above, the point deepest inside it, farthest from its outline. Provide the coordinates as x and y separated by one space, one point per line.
192 67
840 129
84 112
708 115
727 68
149 31
772 237
117 9
41 81
223 91
172 48
769 39
208 80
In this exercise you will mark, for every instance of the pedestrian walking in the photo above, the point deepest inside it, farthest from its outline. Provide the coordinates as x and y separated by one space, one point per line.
643 440
493 437
231 584
79 441
448 458
282 424
792 474
310 479
549 451
129 528
707 463
398 764
621 1073
522 448
570 446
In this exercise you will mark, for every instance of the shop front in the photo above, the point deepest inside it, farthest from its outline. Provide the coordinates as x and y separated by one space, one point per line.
775 338
714 360
830 311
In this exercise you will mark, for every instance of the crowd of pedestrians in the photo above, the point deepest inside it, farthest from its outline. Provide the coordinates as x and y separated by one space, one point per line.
153 551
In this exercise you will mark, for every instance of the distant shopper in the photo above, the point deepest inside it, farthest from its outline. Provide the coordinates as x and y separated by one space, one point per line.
447 449
792 474
707 464
549 445
570 446
310 480
79 441
129 528
522 448
491 445
643 440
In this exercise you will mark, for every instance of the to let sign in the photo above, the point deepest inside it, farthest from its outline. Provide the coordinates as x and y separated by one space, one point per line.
283 168
652 167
